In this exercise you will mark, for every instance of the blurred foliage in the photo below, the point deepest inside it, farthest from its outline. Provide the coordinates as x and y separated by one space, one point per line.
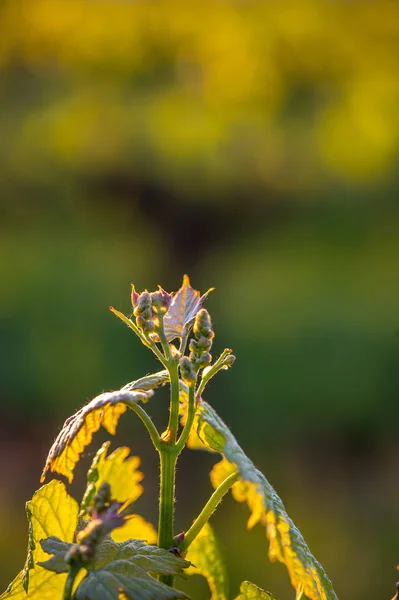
226 92
253 145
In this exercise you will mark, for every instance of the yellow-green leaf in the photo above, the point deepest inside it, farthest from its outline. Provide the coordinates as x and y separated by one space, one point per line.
78 430
286 542
50 512
121 471
250 591
205 555
135 528
181 314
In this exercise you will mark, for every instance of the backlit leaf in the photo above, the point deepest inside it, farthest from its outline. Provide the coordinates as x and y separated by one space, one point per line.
135 528
50 512
78 430
286 542
181 314
148 382
250 591
205 555
123 569
121 471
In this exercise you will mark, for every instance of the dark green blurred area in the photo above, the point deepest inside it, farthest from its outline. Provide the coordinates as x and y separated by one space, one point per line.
255 147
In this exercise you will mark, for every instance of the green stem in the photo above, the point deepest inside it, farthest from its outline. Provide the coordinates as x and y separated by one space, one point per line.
212 371
162 338
73 571
189 420
208 510
151 344
168 458
146 419
173 423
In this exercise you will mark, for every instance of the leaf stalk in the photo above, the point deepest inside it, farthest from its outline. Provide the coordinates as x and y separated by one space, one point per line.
208 510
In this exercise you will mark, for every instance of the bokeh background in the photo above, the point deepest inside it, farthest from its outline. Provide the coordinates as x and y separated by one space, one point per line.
253 145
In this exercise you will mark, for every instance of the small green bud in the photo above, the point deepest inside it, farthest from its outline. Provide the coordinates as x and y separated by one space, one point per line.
187 371
229 360
202 361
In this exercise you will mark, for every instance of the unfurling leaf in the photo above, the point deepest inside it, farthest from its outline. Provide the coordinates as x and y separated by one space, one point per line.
78 430
250 591
181 314
124 569
205 555
50 512
148 382
286 542
121 472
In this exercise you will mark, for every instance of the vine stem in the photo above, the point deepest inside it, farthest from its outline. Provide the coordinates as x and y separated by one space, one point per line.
208 510
168 456
189 421
73 571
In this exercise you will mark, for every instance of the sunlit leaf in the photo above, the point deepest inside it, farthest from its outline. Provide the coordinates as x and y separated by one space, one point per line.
125 567
181 314
250 591
286 542
207 560
135 528
51 512
193 442
121 471
78 430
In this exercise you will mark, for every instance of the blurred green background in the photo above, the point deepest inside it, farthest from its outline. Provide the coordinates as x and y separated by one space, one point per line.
253 145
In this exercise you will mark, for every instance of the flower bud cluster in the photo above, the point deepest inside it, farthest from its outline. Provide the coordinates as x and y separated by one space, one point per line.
148 307
187 372
105 517
143 313
201 344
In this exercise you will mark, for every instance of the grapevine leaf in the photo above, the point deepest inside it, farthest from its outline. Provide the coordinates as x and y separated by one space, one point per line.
123 568
286 542
78 430
121 471
205 555
148 382
53 545
181 314
194 442
135 528
51 511
250 591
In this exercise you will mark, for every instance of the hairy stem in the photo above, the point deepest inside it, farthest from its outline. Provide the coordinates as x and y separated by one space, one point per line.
73 571
208 510
189 420
168 458
173 423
